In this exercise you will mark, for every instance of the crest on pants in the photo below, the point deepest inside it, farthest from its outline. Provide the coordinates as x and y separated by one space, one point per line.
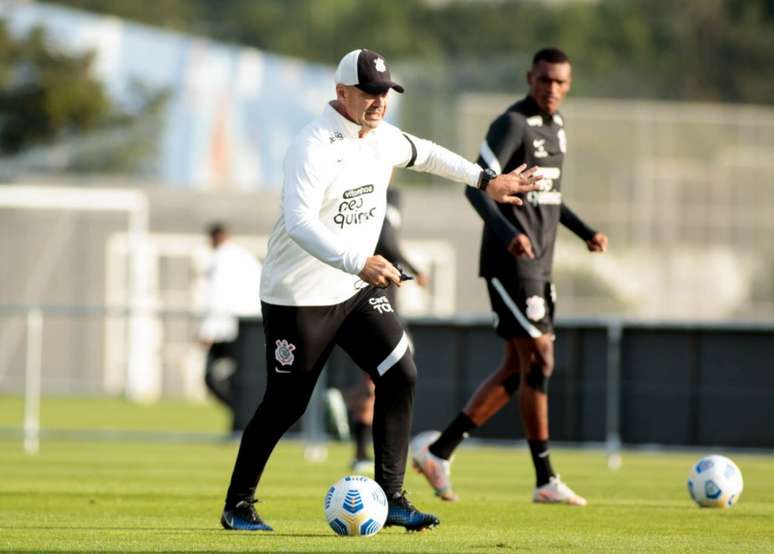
284 352
536 308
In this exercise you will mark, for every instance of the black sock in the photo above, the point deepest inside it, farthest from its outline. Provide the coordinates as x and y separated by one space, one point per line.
541 461
452 436
362 433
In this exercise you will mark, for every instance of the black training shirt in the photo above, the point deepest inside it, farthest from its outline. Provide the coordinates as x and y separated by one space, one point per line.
522 134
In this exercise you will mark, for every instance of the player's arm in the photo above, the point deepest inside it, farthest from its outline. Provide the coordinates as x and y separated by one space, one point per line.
505 230
426 156
502 140
389 247
595 241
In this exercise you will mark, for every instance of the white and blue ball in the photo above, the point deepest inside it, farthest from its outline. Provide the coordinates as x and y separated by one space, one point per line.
715 481
355 506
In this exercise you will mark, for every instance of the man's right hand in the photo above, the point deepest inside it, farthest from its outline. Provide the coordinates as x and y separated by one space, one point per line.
503 188
521 246
379 272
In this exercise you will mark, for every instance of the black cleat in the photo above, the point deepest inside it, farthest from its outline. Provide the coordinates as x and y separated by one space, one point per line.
401 512
243 517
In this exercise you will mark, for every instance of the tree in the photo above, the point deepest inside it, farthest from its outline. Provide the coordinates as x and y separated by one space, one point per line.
47 95
703 50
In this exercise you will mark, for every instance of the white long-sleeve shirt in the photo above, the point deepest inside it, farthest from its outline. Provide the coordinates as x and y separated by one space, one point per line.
333 203
232 282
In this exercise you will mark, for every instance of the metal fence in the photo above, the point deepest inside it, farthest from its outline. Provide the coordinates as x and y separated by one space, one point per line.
615 381
684 190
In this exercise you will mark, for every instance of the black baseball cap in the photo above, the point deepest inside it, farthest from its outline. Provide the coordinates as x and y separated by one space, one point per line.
366 70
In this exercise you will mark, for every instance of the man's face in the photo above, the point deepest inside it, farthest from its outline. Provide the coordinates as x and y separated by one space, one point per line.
549 83
367 110
216 239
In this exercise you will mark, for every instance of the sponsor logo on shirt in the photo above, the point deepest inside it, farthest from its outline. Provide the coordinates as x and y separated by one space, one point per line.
381 304
546 194
359 191
552 198
335 135
353 210
547 176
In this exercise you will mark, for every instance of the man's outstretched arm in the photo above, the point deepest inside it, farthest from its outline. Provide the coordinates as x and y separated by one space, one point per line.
426 156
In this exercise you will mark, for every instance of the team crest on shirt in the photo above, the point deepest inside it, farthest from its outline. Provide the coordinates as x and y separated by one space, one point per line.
284 352
536 308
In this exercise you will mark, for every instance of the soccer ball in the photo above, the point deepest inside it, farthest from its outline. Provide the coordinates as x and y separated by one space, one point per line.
355 506
715 481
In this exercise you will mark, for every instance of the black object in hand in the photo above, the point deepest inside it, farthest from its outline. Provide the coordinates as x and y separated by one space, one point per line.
403 276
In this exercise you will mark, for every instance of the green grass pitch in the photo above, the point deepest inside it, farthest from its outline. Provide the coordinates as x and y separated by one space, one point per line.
150 496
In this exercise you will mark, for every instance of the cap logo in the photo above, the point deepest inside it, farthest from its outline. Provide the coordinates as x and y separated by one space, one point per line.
380 67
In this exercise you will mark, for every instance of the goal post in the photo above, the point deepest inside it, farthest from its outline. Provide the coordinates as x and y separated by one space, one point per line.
142 378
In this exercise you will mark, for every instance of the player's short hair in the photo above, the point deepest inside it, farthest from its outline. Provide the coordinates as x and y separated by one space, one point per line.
216 228
550 55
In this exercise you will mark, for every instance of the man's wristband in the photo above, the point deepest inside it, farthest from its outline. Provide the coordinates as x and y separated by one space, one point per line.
483 179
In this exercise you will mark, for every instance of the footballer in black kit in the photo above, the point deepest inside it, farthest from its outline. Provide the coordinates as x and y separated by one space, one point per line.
516 259
536 139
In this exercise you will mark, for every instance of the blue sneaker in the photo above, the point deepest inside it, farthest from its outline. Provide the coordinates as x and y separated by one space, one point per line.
243 517
401 512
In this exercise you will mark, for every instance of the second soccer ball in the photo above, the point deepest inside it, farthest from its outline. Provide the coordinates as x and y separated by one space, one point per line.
715 481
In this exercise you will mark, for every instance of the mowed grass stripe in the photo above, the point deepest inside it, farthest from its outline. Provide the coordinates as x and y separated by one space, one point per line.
136 496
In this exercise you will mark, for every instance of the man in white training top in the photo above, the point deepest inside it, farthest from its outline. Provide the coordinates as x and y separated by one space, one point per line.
322 285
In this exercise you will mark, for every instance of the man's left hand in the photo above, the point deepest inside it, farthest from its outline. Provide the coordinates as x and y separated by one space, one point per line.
597 243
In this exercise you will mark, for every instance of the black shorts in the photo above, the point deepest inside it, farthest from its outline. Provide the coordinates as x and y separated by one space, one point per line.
522 308
300 339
